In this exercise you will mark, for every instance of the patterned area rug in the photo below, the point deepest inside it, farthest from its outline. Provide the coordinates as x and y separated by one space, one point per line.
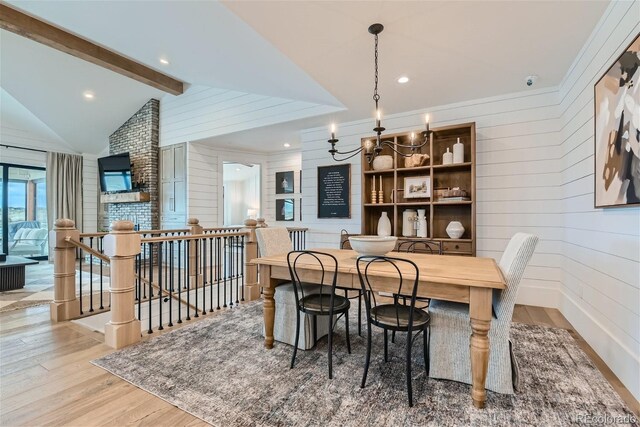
218 370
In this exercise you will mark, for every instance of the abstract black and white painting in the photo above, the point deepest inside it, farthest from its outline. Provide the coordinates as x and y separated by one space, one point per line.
617 131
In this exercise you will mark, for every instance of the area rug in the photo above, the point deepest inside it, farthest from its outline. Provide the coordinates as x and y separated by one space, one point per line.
218 370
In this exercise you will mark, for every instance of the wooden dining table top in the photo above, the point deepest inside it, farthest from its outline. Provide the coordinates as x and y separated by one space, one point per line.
445 269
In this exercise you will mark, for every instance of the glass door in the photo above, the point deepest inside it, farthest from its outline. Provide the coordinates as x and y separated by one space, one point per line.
24 211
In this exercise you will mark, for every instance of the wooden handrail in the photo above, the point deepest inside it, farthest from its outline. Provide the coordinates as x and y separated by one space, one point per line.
164 291
239 227
192 237
86 248
176 230
297 229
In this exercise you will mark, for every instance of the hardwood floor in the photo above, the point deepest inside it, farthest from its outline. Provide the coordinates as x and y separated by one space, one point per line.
46 377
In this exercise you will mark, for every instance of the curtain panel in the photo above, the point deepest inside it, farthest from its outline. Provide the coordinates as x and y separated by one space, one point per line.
64 188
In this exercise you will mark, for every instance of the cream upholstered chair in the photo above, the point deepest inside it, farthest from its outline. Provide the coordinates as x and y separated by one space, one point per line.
276 241
450 329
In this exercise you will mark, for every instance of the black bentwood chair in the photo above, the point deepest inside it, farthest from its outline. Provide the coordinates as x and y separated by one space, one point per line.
394 316
323 303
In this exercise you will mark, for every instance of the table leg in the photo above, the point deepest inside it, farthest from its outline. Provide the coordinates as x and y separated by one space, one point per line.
268 305
480 313
269 315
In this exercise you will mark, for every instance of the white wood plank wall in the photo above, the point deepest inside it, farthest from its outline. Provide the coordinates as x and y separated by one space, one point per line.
517 179
203 112
600 247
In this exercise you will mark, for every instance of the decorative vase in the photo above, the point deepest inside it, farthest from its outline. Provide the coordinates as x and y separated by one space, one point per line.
422 223
447 158
455 229
382 162
408 218
384 225
458 152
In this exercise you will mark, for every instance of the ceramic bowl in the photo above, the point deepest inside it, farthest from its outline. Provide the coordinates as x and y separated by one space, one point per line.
373 245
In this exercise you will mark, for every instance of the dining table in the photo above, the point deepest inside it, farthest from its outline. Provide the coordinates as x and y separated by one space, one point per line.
464 279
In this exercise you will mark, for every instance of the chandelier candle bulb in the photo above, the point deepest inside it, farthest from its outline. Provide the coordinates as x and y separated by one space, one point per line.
378 119
333 131
458 152
426 121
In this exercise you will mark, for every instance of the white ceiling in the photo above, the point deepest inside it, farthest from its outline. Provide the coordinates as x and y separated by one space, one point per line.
315 51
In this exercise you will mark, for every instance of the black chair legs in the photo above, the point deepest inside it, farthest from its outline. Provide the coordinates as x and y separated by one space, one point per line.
368 357
295 345
386 345
409 390
425 341
346 319
330 347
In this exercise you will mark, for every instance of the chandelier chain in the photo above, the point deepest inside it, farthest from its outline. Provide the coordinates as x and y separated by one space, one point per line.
376 97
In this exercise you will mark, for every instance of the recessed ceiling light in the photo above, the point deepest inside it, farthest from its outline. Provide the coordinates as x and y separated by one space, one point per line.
164 61
286 145
237 169
88 94
403 79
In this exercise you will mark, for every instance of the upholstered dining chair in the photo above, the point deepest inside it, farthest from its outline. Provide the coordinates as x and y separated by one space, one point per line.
276 241
450 329
324 303
394 316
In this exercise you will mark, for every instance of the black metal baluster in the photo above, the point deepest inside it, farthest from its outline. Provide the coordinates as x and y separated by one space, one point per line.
90 276
226 271
101 250
210 274
140 286
197 258
150 301
231 272
187 278
204 275
242 248
81 256
218 269
179 281
170 287
237 255
160 271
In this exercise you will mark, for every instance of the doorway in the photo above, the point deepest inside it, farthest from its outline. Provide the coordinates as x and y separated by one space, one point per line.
23 211
241 192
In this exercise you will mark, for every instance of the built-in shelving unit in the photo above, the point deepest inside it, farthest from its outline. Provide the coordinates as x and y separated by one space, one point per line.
439 212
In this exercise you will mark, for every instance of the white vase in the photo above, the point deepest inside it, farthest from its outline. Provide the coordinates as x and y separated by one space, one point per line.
455 229
384 225
422 223
458 152
447 158
408 219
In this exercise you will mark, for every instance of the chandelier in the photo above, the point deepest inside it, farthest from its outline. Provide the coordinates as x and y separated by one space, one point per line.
373 148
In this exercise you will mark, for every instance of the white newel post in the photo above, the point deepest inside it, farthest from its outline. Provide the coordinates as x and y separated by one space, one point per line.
122 245
65 305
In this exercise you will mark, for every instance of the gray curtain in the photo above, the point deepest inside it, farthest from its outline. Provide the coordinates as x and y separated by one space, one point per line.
64 188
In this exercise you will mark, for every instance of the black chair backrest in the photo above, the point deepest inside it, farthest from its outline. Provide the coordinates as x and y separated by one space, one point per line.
433 247
314 257
407 282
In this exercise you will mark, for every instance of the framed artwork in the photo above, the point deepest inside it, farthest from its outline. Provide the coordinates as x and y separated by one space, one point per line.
417 187
285 209
284 182
334 191
617 134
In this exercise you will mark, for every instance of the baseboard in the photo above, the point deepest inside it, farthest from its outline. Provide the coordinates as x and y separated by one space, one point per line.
539 296
618 357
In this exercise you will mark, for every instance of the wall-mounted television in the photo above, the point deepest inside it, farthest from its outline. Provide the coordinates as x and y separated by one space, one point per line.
115 173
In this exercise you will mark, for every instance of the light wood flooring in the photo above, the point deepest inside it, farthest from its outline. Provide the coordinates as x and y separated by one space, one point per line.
46 377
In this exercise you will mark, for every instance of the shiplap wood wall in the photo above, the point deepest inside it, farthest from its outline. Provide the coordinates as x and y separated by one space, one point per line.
517 179
203 112
600 247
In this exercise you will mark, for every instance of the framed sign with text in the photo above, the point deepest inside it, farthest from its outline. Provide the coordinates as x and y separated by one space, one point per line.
334 191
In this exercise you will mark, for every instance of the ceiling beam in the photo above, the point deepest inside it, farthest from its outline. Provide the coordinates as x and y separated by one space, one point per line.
34 29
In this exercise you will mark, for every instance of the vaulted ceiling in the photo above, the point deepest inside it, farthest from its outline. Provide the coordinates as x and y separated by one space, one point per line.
310 51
